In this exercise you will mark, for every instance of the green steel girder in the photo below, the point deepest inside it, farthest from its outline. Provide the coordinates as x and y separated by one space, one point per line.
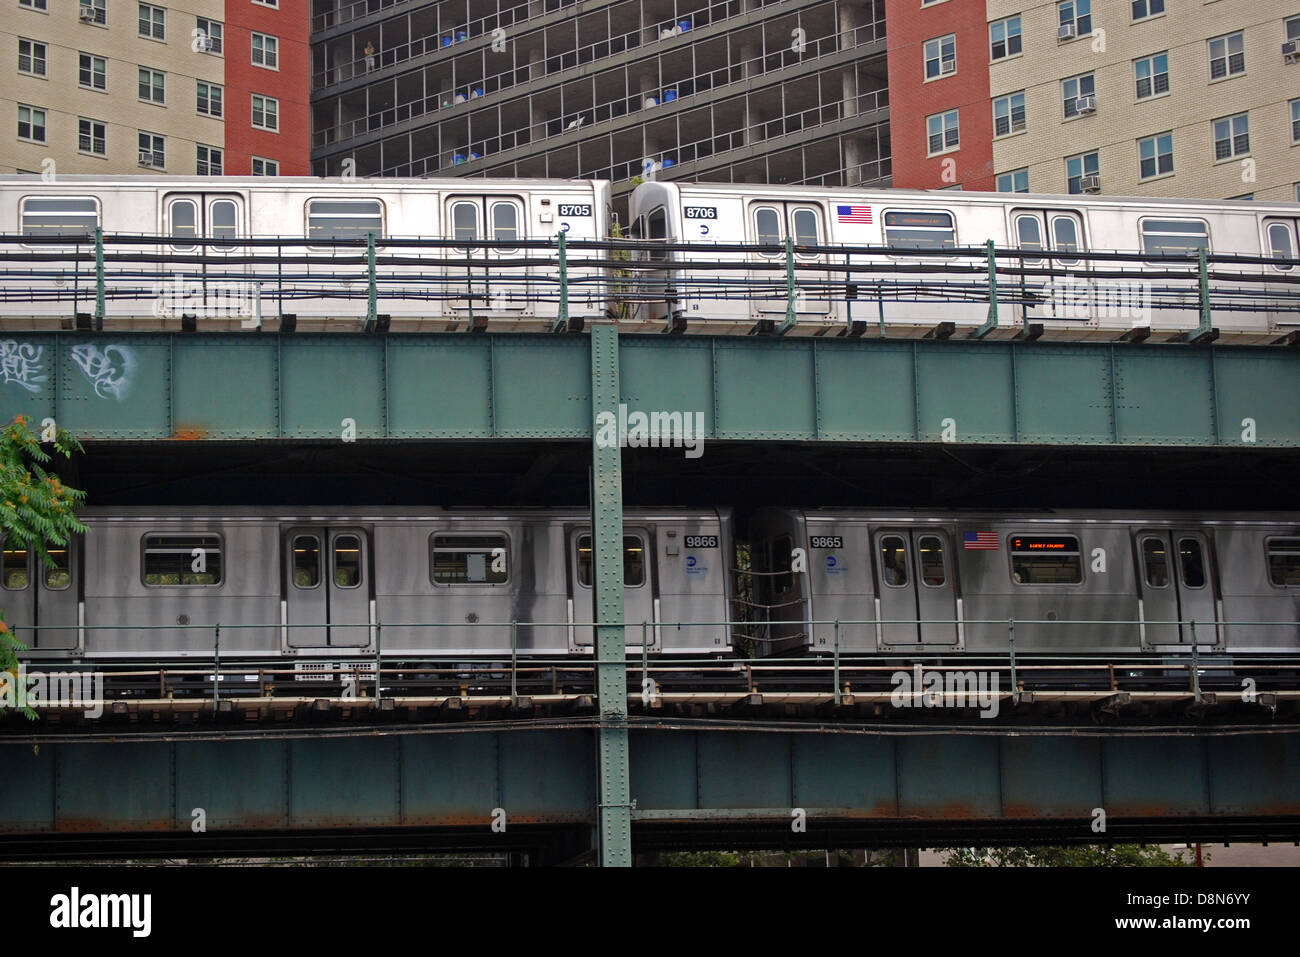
460 777
430 386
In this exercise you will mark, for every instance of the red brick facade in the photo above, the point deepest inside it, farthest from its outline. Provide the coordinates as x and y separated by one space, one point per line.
908 25
290 84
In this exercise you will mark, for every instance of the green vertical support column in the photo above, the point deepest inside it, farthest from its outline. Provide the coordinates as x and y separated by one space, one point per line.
615 811
562 309
372 302
99 278
991 322
791 313
1204 273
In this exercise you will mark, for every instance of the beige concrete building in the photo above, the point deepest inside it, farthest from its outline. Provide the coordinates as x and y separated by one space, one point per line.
1197 100
112 87
1123 97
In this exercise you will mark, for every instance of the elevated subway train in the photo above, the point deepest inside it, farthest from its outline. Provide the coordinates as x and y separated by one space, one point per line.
301 209
455 288
1078 306
1075 582
151 584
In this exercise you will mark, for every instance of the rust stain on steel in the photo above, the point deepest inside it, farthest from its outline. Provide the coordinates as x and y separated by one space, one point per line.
1029 812
191 434
81 825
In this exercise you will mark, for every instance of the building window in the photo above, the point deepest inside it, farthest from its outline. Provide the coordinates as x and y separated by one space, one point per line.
1004 38
31 124
153 22
208 161
92 71
1076 13
943 133
1017 181
266 113
31 57
1174 236
98 10
1295 122
1156 154
1147 8
265 51
209 98
153 150
91 137
265 167
1009 114
1152 74
32 4
470 559
153 85
1292 28
212 31
267 3
1074 90
182 560
1231 136
1077 167
1227 55
940 56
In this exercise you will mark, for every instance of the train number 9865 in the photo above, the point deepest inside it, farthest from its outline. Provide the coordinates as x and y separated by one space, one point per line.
827 541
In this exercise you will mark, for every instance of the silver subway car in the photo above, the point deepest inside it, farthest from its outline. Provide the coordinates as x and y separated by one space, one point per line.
1074 582
1051 228
269 280
154 583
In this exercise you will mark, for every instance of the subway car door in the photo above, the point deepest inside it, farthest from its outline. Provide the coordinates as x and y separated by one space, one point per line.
192 217
638 588
1061 298
916 587
488 286
47 598
1177 587
769 225
327 587
1282 241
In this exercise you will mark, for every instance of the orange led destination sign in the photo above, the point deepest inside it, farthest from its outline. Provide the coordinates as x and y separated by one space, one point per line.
1045 544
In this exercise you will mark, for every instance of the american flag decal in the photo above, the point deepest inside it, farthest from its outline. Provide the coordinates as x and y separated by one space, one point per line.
981 540
853 214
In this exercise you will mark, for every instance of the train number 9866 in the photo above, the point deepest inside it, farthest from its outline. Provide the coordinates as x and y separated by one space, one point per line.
701 541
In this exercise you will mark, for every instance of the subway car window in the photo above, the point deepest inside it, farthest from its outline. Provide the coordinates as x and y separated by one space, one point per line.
1170 237
225 221
920 230
767 226
893 561
1279 241
782 562
805 227
1192 558
658 229
464 221
930 548
633 560
344 218
347 561
58 572
469 559
1156 562
182 560
505 222
50 216
1043 560
13 573
184 222
1029 234
1284 561
306 561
